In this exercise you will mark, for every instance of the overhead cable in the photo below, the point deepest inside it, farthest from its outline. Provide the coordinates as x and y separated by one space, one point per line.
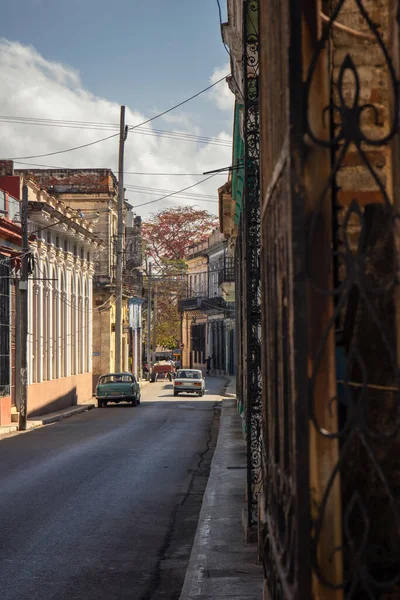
117 134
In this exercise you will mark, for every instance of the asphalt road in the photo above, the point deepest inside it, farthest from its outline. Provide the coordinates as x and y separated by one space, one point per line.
104 505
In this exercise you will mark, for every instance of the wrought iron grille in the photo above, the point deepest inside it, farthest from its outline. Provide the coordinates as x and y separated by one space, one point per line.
239 311
4 326
226 273
356 421
251 254
331 474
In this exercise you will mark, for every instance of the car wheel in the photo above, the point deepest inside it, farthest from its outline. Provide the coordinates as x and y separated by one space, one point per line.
99 403
175 393
105 403
134 401
138 399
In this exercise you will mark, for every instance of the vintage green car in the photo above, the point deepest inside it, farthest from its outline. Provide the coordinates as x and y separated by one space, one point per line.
117 387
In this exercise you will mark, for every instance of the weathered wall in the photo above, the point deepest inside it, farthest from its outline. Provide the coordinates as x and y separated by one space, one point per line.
50 396
5 410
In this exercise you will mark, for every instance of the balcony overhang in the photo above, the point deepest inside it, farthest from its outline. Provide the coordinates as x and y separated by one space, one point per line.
227 209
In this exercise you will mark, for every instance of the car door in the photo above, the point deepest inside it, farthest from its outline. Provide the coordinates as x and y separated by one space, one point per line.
136 385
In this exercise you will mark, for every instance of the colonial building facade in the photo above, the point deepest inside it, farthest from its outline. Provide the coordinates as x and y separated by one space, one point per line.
94 193
207 317
60 298
10 250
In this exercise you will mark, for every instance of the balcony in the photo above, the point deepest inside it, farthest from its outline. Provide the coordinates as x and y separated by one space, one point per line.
10 208
188 304
215 304
227 272
226 280
202 304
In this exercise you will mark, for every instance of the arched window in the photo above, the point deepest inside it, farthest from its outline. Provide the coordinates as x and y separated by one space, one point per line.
74 301
55 323
86 327
80 325
36 328
45 322
63 324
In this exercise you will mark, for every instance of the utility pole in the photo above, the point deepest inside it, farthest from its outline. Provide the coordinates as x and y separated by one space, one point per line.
22 324
149 319
154 324
118 280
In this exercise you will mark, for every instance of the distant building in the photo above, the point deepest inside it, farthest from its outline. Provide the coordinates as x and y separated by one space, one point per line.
133 281
63 245
94 192
207 311
10 251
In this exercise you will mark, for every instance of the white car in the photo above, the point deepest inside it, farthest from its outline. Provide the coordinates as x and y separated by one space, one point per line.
189 380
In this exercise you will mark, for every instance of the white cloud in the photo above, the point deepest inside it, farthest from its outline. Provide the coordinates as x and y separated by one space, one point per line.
221 94
34 87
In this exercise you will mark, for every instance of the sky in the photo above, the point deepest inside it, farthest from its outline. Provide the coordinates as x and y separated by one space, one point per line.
79 60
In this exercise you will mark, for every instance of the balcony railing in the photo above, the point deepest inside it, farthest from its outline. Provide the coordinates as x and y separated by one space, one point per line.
203 304
187 304
10 208
227 272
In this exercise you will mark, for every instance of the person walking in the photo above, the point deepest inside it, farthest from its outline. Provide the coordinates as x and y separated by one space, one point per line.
208 364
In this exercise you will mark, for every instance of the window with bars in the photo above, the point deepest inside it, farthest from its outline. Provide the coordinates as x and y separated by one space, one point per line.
4 326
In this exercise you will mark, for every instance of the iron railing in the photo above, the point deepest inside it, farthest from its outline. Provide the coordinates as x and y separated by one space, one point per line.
226 273
251 256
331 411
5 325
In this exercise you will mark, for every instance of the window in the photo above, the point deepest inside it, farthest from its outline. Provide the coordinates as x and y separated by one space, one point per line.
88 256
49 237
57 241
4 327
82 253
65 245
116 378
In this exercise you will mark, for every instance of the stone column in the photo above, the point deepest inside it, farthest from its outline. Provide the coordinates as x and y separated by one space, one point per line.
90 319
40 331
31 318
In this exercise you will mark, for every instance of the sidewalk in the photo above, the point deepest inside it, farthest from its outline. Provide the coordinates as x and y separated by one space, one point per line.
53 417
221 565
231 387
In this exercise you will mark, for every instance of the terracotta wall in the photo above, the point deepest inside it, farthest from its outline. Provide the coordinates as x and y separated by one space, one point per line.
50 396
5 410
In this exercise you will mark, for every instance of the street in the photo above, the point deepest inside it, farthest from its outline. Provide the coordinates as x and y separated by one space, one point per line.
105 505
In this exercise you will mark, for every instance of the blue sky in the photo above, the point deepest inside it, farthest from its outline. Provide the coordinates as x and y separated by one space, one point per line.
148 55
78 60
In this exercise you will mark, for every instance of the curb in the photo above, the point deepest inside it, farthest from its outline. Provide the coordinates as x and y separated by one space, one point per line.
33 423
225 393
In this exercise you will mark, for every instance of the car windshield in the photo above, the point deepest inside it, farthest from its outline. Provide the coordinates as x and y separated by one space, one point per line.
116 379
188 375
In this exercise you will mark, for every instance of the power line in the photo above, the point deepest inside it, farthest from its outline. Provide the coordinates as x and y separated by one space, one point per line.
125 172
130 129
177 192
182 103
176 135
151 190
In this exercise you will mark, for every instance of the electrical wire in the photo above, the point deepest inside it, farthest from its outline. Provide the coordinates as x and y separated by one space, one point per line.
63 220
178 192
155 191
117 134
125 172
175 135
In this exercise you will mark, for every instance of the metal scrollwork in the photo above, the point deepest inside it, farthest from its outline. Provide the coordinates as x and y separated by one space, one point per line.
363 323
251 252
